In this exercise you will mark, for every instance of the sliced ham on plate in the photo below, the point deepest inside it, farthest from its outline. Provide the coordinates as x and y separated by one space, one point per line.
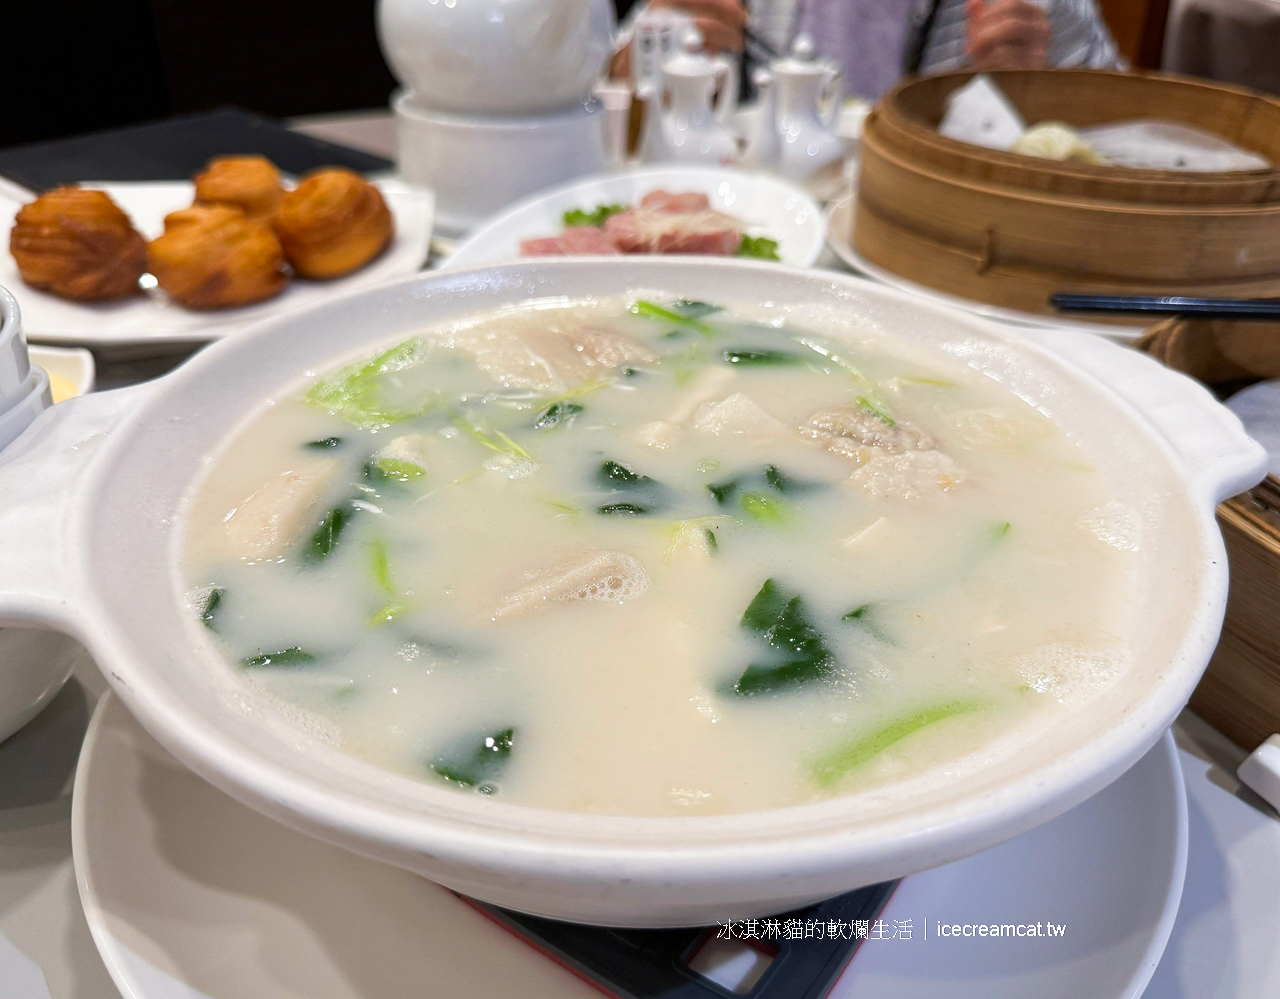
663 223
587 239
576 239
665 201
547 246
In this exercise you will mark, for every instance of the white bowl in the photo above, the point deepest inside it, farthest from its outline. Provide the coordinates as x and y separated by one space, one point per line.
90 507
34 665
497 57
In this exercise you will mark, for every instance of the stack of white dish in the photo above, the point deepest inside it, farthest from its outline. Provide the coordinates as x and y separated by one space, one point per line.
497 97
35 663
24 390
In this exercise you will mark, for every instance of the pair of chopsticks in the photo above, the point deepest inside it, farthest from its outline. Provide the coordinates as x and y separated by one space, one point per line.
1171 305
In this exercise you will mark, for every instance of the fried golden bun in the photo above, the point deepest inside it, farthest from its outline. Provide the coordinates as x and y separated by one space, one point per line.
215 256
78 244
250 183
332 223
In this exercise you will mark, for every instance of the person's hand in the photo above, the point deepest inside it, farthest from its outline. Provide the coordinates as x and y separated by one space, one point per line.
1006 34
720 21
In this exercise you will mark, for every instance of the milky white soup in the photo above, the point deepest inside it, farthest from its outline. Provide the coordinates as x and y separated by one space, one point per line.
657 558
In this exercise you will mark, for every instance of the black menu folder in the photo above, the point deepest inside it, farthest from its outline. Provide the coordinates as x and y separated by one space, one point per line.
175 149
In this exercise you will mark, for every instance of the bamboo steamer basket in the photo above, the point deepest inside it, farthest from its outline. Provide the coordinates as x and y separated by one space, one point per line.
1240 691
1010 230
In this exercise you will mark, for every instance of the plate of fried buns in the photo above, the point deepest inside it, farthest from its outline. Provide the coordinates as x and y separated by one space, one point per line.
132 264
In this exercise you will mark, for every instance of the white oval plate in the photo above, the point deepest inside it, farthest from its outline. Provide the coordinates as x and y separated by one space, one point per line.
190 895
152 320
840 218
770 207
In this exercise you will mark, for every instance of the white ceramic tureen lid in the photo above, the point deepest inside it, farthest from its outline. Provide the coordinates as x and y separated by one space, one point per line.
803 60
690 61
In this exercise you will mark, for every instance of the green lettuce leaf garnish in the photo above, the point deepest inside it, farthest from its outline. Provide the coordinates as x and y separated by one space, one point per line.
595 217
759 248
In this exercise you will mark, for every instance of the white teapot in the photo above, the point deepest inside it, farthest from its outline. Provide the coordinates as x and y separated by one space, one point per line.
763 149
497 57
807 139
694 129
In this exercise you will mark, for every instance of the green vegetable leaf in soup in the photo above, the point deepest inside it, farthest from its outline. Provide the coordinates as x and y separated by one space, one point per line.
619 476
765 608
849 756
766 509
777 479
382 473
476 762
209 614
864 617
354 392
623 510
724 491
651 310
761 358
691 309
324 540
292 656
802 653
556 414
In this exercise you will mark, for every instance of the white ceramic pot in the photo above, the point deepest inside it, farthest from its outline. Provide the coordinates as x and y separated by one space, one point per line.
693 128
91 529
497 57
33 664
807 142
476 165
15 366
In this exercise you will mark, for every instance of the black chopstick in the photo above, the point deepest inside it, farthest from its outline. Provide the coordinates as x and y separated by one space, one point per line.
1170 305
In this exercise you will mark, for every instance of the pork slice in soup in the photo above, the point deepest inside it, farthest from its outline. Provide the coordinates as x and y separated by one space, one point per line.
655 557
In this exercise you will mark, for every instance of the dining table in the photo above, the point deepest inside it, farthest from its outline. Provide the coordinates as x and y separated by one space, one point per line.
1225 942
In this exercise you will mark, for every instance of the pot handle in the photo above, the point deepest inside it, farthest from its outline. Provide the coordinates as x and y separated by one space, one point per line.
42 475
1220 459
833 94
727 79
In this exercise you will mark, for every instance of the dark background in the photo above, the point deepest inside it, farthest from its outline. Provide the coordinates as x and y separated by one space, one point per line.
74 66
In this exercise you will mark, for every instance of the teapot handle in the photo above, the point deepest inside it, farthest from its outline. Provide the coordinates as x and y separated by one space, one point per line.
833 93
727 78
